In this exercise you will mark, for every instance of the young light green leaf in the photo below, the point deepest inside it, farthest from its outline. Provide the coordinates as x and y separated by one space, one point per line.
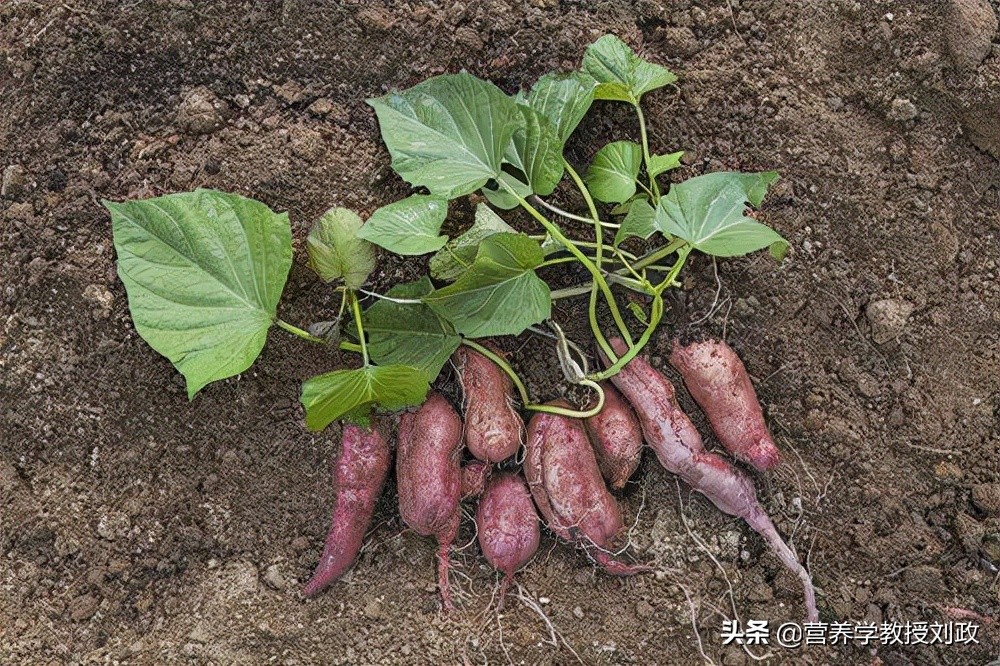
410 333
662 163
708 212
611 176
336 251
639 222
535 149
622 75
564 99
503 199
459 253
204 271
408 227
448 133
500 294
351 392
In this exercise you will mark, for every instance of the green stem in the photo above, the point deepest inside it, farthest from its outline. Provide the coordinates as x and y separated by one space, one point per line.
356 307
557 234
653 185
552 262
656 314
572 413
569 292
653 257
350 346
295 330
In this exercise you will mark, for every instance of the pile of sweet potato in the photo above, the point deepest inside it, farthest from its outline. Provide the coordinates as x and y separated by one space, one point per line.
569 464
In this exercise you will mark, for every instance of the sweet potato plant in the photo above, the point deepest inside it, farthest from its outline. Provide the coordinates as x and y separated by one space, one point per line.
205 270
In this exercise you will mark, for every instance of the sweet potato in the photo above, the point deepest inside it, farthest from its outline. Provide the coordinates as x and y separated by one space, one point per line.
680 450
475 475
565 481
429 477
507 526
719 383
617 438
493 429
359 473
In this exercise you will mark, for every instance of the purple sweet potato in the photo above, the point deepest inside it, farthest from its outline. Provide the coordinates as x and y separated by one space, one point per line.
429 477
359 473
562 473
475 475
493 429
679 448
718 381
617 438
507 526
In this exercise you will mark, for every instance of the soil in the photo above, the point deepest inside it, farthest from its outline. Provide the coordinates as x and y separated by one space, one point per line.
136 527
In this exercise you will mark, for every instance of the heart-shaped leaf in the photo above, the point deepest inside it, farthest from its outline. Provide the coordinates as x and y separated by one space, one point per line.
351 393
564 99
622 75
639 222
336 251
448 133
662 163
410 334
500 294
611 176
536 151
410 226
204 271
459 253
708 212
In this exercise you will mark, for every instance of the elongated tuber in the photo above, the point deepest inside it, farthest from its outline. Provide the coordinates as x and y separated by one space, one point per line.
507 526
617 438
493 429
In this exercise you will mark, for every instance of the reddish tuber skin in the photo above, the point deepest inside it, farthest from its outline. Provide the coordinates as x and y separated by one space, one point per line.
475 475
617 438
564 479
493 429
507 526
679 448
359 473
719 383
429 477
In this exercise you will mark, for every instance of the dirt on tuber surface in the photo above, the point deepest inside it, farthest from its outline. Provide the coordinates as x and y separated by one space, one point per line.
494 430
617 438
507 526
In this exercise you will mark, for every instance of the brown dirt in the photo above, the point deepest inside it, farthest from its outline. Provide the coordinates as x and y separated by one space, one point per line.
136 527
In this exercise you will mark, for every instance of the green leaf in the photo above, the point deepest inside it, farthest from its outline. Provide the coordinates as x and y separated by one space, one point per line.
204 271
500 294
535 149
410 334
503 199
459 253
639 222
564 99
409 226
353 392
662 163
611 176
623 76
335 251
448 133
707 211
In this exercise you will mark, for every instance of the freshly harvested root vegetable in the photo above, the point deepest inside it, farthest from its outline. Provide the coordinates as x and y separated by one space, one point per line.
475 475
493 429
617 438
507 526
429 477
562 473
680 450
720 384
359 473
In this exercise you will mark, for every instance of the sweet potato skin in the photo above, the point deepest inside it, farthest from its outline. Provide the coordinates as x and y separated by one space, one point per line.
493 429
507 524
566 483
679 448
359 473
617 438
475 475
429 476
718 381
